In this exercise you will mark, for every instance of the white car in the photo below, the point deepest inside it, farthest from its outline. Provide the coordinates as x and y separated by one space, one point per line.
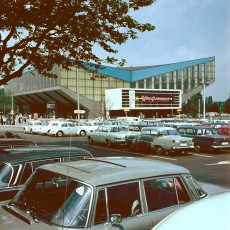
45 129
33 127
63 128
210 213
89 126
109 135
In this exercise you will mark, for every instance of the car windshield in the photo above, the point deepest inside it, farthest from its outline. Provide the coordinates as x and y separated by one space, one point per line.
55 199
6 173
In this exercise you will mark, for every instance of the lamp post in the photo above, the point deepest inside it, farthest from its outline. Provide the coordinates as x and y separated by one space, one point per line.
203 84
78 95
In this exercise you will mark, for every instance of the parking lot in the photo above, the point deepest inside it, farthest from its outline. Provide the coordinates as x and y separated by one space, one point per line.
209 167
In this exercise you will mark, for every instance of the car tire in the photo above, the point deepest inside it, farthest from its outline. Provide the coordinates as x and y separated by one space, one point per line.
91 142
59 134
132 147
82 133
159 150
109 143
31 132
197 148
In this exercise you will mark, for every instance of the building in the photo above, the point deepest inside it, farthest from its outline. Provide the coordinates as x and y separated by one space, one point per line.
74 90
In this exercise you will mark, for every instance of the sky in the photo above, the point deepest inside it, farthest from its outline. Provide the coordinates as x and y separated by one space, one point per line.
185 30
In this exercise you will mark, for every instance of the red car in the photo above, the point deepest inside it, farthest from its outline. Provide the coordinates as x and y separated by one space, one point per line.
223 131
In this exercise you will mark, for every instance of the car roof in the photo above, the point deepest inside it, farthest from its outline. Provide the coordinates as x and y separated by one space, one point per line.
105 170
195 127
210 213
158 128
18 155
15 142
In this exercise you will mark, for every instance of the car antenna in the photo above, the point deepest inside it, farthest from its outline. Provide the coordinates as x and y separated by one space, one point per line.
67 176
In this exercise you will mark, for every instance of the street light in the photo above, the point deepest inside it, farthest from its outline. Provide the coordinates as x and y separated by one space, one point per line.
203 84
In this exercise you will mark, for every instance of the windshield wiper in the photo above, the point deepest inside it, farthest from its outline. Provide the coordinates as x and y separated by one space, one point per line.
27 207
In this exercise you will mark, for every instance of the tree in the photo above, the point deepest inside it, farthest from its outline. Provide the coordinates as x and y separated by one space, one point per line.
41 33
226 106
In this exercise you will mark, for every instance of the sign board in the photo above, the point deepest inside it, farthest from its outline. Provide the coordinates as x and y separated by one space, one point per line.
79 111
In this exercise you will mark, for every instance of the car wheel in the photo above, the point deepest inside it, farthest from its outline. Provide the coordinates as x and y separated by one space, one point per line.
197 148
59 134
131 146
31 132
159 150
109 144
184 152
82 133
91 142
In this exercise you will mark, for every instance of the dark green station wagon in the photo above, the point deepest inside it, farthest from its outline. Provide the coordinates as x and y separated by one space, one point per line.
17 164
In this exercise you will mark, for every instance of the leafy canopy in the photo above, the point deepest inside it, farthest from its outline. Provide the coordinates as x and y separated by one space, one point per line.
41 33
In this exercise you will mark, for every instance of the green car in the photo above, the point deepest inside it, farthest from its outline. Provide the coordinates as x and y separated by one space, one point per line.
17 164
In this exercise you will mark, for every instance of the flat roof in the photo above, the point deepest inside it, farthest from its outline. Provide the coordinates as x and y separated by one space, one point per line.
106 170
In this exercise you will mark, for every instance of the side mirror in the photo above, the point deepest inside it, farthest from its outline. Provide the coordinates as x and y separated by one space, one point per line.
115 219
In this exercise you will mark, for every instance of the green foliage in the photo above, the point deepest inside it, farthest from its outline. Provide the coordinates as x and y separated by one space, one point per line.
226 106
41 33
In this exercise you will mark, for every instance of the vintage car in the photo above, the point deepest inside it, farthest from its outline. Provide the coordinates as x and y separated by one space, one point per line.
108 134
33 127
17 164
63 128
205 138
15 143
46 128
89 126
200 215
102 193
161 140
224 130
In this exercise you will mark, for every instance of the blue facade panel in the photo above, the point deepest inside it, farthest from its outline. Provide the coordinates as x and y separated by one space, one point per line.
135 75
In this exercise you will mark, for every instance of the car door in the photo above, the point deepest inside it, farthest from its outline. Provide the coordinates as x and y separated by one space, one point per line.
97 135
122 199
72 129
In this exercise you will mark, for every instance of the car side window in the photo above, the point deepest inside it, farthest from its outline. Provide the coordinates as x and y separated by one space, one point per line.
124 200
181 131
164 192
27 171
189 131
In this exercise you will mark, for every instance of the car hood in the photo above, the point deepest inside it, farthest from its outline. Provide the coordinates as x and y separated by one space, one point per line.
10 221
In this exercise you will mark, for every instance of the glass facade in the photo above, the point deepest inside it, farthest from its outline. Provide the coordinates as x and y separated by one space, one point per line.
79 81
185 79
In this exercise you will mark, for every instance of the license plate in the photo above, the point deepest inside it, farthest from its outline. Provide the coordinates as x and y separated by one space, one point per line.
183 144
224 143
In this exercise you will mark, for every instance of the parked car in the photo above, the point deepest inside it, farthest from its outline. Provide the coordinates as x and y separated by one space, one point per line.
15 142
109 135
88 126
200 215
33 127
205 138
161 140
134 130
16 165
63 128
224 131
46 128
102 193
